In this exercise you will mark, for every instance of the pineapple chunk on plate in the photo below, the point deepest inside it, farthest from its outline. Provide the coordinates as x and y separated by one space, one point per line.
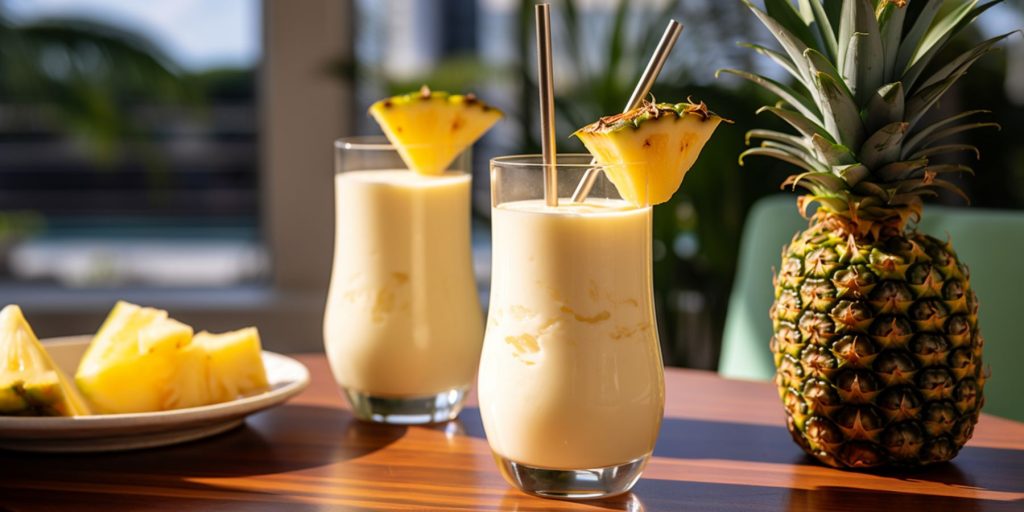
30 383
236 368
286 378
142 360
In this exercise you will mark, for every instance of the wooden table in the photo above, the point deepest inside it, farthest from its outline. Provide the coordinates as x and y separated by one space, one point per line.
722 447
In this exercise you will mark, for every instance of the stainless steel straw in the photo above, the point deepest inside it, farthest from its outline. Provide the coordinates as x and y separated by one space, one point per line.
547 103
643 87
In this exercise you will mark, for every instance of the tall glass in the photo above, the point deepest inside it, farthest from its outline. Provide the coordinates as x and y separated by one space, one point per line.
571 383
403 326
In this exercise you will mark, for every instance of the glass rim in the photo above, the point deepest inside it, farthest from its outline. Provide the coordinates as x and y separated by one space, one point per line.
368 142
375 143
586 161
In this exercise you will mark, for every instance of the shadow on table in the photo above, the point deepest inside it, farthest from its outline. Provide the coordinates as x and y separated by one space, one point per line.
290 438
980 468
283 439
974 467
666 494
193 497
850 498
698 439
682 438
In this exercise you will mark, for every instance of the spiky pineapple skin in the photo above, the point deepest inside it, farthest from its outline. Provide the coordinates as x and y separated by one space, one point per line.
877 348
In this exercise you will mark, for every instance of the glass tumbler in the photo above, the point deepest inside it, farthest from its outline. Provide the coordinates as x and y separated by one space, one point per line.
403 325
571 384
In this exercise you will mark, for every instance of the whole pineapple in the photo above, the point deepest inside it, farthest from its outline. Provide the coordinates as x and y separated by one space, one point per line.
876 338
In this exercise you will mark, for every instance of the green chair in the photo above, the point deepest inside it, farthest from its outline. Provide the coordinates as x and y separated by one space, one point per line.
990 242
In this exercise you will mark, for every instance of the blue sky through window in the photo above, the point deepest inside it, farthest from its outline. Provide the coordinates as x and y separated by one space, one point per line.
195 34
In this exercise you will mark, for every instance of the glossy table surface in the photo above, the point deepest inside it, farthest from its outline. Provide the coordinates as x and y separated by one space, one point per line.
723 446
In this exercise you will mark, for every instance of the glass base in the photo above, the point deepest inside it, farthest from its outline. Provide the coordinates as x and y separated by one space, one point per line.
573 484
443 406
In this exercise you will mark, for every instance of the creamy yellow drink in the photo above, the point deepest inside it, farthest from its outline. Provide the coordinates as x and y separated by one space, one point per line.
571 373
571 383
403 318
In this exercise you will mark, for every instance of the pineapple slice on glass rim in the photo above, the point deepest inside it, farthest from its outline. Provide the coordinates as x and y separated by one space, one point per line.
647 151
430 128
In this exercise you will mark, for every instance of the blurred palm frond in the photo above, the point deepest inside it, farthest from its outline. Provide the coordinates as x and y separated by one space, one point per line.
86 75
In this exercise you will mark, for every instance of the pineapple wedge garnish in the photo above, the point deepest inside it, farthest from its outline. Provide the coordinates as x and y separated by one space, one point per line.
430 128
649 149
30 383
236 363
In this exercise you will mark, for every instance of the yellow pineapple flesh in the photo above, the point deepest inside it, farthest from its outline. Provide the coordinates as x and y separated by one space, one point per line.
236 363
430 128
140 361
649 149
30 383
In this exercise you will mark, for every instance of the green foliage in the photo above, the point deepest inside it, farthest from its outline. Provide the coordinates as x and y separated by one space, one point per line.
86 75
19 224
879 83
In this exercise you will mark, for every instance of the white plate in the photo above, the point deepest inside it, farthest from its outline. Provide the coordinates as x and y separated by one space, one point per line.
113 432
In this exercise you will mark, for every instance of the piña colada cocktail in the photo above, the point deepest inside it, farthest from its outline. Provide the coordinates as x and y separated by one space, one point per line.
571 382
403 325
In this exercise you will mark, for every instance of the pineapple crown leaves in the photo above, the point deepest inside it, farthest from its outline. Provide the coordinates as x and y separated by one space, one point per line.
864 75
648 110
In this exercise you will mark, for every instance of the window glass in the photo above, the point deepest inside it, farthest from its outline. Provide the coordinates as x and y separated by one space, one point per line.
128 142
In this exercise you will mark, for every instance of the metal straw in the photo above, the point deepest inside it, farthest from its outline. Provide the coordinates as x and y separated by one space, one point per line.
643 87
547 103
